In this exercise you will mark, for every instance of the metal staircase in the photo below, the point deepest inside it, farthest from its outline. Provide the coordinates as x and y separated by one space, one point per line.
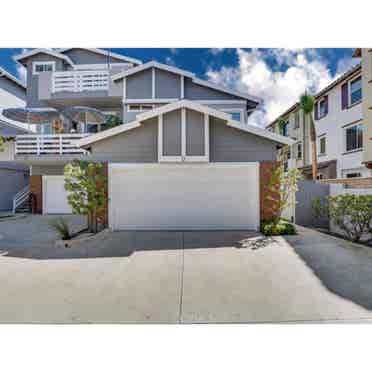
21 201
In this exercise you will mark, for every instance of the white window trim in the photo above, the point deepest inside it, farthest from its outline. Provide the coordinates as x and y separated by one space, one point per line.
38 63
349 91
232 110
344 138
140 109
183 157
302 150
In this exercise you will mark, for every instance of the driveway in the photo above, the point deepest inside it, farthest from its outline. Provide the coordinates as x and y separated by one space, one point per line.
184 277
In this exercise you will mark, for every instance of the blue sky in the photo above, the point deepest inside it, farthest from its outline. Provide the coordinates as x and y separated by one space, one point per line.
278 76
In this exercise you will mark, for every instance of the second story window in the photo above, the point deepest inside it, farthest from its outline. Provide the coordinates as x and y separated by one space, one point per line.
322 145
297 119
235 115
355 91
299 150
321 108
140 108
38 67
285 129
354 137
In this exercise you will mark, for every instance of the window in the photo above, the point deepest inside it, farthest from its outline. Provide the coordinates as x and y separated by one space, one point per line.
353 175
297 120
322 145
356 91
354 137
299 150
319 176
285 129
43 67
44 128
235 115
322 108
140 108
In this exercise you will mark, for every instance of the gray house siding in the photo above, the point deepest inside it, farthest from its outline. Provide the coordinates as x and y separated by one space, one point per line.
167 84
13 179
195 136
231 106
47 170
80 56
139 85
12 88
172 133
228 144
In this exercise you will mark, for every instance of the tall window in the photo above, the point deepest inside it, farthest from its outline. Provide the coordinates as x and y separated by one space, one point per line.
285 129
356 91
354 137
322 108
297 119
299 150
322 145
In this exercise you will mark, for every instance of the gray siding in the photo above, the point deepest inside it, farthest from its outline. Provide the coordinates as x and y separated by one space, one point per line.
6 130
47 170
81 56
194 92
139 145
12 181
231 106
139 85
167 84
194 133
12 88
172 133
230 144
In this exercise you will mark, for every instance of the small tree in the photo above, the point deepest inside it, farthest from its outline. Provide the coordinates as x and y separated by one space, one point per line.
282 186
351 213
84 181
1 144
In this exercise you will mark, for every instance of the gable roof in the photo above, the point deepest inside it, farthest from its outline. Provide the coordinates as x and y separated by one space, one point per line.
175 70
179 105
106 53
12 78
21 57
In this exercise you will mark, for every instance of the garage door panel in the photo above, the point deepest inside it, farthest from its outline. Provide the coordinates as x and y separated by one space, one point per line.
152 197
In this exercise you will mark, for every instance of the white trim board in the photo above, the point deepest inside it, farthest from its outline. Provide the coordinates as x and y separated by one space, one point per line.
50 52
192 106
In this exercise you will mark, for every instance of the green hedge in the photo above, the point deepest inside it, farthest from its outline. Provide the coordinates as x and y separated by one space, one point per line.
282 227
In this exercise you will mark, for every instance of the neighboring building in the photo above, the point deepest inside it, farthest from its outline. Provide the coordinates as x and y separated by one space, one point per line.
13 176
339 127
366 55
184 156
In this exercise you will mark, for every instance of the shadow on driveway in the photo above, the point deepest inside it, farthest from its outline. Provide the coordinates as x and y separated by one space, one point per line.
124 244
344 268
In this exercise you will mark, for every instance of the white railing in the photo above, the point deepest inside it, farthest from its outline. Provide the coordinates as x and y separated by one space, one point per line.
20 197
48 144
80 81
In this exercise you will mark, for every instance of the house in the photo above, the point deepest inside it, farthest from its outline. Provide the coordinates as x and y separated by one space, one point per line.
13 176
366 60
184 157
338 118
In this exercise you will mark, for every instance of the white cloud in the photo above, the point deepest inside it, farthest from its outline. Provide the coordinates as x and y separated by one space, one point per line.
278 89
216 51
345 64
170 61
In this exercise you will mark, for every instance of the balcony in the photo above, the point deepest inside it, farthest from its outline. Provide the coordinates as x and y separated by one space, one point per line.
80 81
79 88
51 144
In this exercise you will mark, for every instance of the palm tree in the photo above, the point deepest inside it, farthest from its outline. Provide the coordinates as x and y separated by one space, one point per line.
307 104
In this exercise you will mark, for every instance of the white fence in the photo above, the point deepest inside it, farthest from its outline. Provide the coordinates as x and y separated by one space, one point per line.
48 144
80 81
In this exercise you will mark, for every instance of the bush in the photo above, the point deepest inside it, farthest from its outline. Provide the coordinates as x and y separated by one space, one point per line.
61 227
281 227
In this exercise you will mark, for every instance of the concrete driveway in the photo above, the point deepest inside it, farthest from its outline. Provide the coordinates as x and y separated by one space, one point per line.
184 277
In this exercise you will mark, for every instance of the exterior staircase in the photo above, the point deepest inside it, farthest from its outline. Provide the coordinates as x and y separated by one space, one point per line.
22 201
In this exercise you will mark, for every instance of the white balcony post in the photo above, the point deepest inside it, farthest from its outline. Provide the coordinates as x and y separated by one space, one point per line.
38 145
60 144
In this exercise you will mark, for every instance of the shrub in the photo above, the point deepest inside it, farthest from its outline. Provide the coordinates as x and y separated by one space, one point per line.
61 227
274 227
351 213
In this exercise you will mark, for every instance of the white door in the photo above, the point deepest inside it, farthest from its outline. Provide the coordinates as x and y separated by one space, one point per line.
184 196
55 196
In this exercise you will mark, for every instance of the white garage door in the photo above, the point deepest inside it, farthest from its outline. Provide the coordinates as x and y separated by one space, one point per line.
183 196
55 196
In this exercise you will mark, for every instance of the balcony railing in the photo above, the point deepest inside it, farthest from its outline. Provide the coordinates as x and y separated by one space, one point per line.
48 144
80 81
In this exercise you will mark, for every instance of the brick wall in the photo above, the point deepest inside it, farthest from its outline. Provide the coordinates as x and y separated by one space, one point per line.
351 183
267 207
36 189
